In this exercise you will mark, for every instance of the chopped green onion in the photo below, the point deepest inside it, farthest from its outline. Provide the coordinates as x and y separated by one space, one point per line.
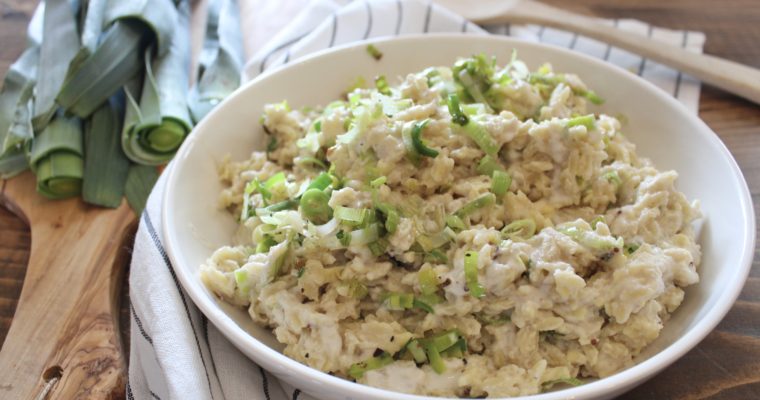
251 187
382 85
423 306
357 370
416 350
374 52
321 182
596 221
474 109
586 120
589 239
311 161
276 266
434 356
377 182
266 244
351 216
314 206
455 222
631 248
436 256
411 151
431 299
354 289
427 280
445 340
569 381
274 180
288 204
272 145
471 274
420 145
431 242
366 235
300 272
590 95
283 106
399 301
521 228
488 165
613 178
474 74
457 114
241 278
500 183
457 350
378 247
344 238
393 106
481 137
391 220
481 202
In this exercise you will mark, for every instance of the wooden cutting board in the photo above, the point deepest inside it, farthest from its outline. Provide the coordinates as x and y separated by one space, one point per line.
64 340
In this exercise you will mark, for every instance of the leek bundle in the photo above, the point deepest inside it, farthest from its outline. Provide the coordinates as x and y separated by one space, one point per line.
99 70
155 126
57 158
120 70
220 60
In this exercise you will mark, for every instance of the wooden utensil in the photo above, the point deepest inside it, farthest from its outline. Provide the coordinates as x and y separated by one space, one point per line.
64 341
728 75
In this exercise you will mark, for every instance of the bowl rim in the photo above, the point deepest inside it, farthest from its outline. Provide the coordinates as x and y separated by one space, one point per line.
626 378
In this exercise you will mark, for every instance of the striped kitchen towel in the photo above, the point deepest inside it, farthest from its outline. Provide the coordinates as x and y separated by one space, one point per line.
175 352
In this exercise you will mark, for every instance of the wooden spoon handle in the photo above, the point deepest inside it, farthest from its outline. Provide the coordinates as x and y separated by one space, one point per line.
64 336
728 75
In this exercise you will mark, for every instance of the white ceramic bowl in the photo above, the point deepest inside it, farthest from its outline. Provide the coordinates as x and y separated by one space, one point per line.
662 129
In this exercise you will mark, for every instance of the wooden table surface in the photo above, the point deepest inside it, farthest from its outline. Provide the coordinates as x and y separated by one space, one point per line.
726 365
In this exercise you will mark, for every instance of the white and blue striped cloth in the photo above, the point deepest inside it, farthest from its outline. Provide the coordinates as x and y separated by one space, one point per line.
175 352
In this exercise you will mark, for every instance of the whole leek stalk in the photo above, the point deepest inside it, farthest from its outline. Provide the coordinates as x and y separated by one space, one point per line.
62 44
155 127
221 58
16 102
57 158
140 181
99 71
105 165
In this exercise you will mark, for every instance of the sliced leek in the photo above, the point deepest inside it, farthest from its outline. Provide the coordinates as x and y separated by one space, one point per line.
140 181
57 158
155 127
106 166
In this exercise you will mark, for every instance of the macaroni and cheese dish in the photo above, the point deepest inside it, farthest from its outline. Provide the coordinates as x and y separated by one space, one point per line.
473 231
